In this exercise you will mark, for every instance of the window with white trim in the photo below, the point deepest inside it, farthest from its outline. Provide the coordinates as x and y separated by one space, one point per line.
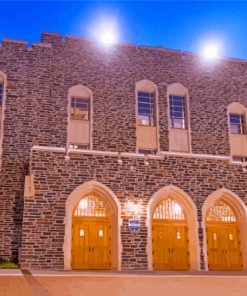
237 115
177 111
80 108
236 123
146 109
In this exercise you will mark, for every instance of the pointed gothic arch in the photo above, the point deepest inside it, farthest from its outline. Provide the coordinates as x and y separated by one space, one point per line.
239 209
190 211
114 207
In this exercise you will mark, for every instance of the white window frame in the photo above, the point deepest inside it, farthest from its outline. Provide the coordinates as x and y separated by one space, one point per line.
240 126
151 105
183 118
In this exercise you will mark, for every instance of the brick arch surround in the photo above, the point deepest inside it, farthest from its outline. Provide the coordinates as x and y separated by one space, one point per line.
239 209
191 218
114 205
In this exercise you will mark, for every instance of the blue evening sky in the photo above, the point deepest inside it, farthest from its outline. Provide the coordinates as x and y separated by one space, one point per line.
184 25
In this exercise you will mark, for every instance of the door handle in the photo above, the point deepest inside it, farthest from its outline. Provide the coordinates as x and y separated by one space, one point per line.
89 249
92 249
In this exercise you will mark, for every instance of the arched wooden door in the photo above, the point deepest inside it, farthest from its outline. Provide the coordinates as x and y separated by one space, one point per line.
91 234
223 240
170 237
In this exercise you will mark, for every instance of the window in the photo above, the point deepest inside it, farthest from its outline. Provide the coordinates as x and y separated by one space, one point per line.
146 109
221 212
78 146
236 123
147 151
239 158
1 94
169 209
79 108
177 111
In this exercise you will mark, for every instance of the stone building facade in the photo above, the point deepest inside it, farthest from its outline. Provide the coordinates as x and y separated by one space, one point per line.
132 167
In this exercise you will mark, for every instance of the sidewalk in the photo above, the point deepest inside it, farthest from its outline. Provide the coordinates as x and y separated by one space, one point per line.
124 283
124 273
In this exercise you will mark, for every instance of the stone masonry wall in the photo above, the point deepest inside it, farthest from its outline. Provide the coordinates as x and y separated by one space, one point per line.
38 79
55 179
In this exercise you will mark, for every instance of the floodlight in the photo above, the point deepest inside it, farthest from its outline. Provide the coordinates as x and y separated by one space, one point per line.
211 52
107 37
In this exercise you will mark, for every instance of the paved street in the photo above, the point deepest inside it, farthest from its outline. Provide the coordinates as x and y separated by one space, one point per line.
121 284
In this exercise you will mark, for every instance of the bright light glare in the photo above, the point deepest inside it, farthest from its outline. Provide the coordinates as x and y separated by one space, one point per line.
134 208
105 31
211 52
107 37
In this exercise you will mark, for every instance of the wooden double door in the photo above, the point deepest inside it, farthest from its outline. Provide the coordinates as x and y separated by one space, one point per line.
91 243
170 246
223 246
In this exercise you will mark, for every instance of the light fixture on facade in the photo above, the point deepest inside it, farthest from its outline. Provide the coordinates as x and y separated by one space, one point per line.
133 209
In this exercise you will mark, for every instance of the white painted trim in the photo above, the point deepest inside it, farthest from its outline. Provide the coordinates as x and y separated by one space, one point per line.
95 152
115 208
159 156
48 148
191 219
194 155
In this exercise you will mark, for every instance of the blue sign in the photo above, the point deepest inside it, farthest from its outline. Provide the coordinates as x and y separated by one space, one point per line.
134 225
